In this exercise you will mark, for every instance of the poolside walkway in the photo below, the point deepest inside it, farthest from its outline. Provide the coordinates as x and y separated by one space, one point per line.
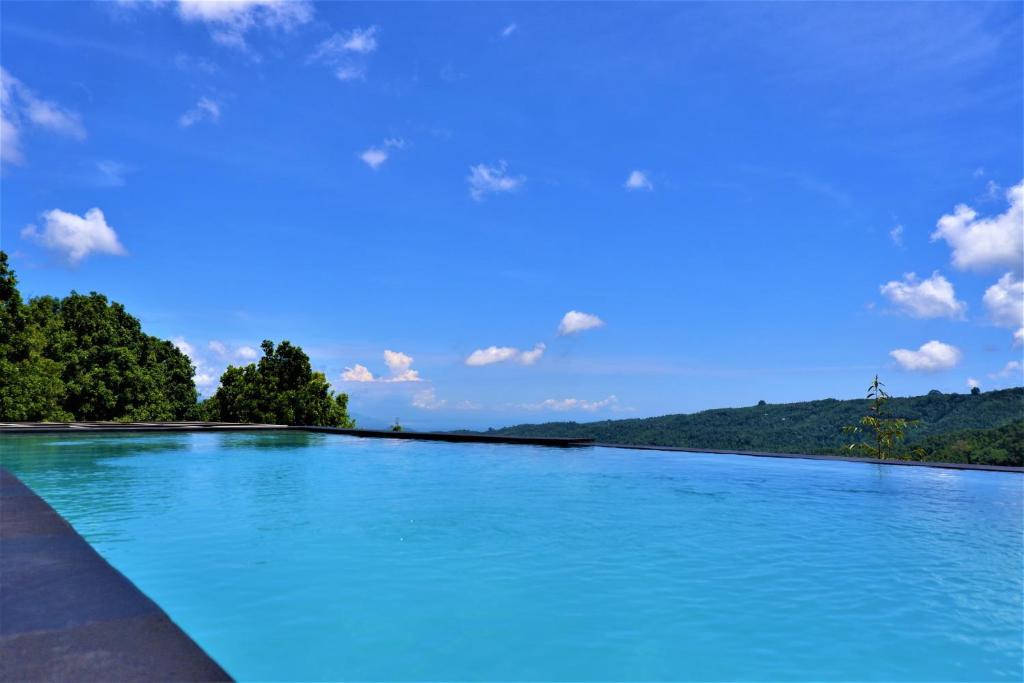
66 614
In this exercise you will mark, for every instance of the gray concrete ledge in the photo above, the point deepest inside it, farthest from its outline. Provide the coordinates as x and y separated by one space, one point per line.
66 614
454 437
836 458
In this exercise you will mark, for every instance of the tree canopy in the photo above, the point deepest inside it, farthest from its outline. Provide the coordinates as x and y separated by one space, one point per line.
84 358
281 388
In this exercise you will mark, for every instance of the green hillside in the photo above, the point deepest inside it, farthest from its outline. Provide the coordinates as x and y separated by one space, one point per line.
810 427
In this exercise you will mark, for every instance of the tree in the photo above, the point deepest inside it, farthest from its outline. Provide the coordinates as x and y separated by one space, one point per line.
281 388
975 391
885 432
82 358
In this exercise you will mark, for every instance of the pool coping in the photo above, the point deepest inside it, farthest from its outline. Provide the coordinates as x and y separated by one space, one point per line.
458 437
67 614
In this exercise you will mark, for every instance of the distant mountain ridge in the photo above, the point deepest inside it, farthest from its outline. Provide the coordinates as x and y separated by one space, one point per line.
813 427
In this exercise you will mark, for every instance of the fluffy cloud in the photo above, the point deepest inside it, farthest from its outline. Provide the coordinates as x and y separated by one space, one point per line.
638 180
576 321
484 179
931 357
230 21
986 243
75 237
428 400
398 363
21 108
204 110
358 373
930 298
973 383
501 354
564 404
1018 337
1005 302
375 156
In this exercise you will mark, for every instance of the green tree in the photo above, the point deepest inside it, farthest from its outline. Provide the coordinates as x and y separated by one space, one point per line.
884 431
82 358
281 388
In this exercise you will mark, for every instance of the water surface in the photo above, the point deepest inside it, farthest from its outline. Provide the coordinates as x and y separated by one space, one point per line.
294 556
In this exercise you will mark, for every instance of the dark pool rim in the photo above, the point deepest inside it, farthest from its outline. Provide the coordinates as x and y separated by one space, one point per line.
458 437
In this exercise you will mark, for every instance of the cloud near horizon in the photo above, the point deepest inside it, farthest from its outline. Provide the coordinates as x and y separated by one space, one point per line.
932 356
566 404
399 364
501 354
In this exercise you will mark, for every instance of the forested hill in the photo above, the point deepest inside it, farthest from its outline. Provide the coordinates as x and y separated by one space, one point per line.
810 427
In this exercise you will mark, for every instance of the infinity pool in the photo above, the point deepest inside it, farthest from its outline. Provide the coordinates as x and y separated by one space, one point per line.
295 556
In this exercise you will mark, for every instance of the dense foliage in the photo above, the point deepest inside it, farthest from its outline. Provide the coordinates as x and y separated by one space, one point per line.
999 446
280 389
809 427
84 358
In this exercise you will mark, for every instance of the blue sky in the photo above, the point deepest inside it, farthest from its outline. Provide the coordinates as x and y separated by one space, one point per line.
729 198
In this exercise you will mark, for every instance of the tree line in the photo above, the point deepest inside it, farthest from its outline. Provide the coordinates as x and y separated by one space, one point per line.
84 358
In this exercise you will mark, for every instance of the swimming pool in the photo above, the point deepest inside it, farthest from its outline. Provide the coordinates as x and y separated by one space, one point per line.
300 556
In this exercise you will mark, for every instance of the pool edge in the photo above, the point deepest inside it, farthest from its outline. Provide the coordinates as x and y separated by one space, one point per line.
67 614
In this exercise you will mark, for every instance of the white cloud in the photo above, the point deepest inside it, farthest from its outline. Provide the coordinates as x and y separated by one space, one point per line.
508 30
576 321
398 363
242 354
484 179
246 353
896 235
978 172
230 20
1005 302
931 357
531 357
1018 337
357 373
638 180
21 108
986 243
930 298
204 110
374 157
76 236
428 400
501 354
1011 369
565 404
346 52
973 383
358 40
206 377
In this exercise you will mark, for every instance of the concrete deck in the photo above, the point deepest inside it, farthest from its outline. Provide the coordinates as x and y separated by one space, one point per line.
66 614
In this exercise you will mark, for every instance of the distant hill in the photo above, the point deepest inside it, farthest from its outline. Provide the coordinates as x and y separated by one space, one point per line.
809 427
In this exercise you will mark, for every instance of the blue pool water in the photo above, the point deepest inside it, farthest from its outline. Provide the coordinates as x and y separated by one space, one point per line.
293 556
